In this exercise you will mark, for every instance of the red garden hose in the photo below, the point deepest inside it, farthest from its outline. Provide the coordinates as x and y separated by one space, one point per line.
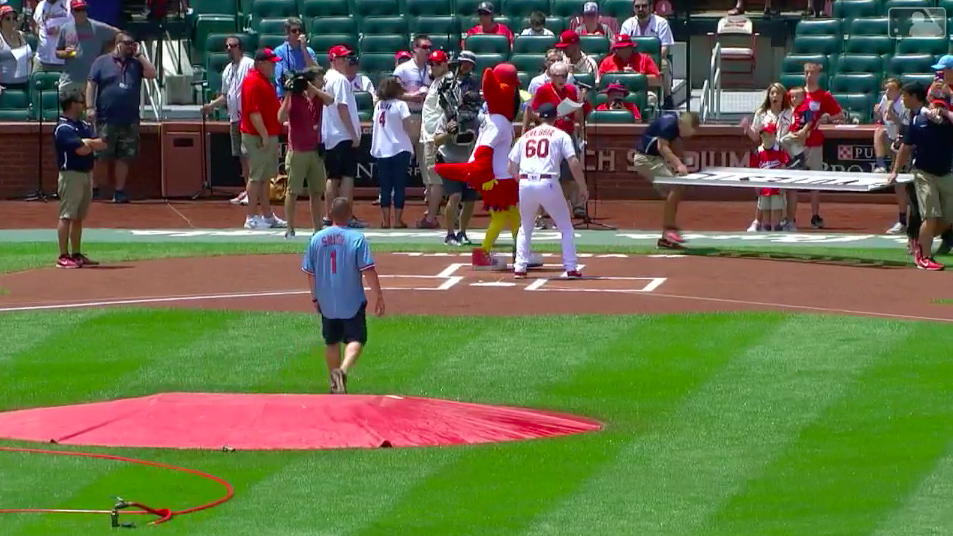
162 514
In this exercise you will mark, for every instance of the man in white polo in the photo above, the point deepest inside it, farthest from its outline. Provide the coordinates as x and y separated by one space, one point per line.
416 78
646 23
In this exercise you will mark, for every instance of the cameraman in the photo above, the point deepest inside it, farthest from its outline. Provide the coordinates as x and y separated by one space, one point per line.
301 108
431 113
454 148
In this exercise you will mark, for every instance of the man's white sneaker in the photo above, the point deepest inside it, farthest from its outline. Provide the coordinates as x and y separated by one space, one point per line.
898 228
275 222
255 223
753 228
240 199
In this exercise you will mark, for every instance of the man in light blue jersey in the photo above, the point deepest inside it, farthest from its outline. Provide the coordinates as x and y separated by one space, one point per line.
336 259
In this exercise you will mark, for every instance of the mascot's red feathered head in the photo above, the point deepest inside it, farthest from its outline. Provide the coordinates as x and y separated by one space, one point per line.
501 90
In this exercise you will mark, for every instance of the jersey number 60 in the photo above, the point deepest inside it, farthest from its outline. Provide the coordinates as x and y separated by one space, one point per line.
537 147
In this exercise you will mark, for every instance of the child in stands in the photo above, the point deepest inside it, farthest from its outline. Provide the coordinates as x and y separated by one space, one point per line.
770 156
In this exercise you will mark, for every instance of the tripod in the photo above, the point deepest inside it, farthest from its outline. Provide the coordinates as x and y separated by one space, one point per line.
587 222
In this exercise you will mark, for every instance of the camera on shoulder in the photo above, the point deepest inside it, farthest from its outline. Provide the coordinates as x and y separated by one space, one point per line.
297 81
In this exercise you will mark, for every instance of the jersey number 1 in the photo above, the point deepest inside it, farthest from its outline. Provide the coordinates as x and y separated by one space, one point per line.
537 147
334 262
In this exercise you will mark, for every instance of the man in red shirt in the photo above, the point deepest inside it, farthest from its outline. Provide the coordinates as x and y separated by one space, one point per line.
819 107
260 129
616 93
487 24
625 59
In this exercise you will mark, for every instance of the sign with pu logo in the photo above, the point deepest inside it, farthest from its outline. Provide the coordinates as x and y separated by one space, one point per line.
785 179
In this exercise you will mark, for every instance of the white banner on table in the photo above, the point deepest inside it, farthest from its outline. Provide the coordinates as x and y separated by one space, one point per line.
795 179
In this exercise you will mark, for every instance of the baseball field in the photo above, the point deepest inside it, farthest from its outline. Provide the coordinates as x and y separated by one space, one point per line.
808 393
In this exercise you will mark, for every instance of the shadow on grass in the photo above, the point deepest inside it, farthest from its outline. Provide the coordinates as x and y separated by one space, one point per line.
835 260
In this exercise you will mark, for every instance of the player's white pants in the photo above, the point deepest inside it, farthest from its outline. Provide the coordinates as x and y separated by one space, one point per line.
548 193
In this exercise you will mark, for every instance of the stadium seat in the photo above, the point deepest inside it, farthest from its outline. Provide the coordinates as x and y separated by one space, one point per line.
818 27
856 83
528 63
620 9
324 8
377 8
522 8
817 44
611 117
216 42
487 60
383 26
365 101
376 62
853 9
487 44
333 25
416 8
383 43
923 45
524 78
14 105
894 4
215 63
924 78
594 44
794 63
860 63
272 9
870 26
790 80
948 6
567 9
632 81
365 116
446 42
205 25
214 7
433 25
469 21
271 41
468 7
322 43
585 78
533 44
856 105
554 24
911 63
271 26
869 44
649 45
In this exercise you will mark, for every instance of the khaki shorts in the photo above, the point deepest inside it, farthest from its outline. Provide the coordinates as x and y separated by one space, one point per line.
304 166
235 138
427 168
75 189
814 158
771 202
650 167
934 194
262 157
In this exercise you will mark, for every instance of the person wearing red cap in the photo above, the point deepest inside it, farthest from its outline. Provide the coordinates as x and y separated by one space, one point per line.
487 25
80 43
615 94
260 130
769 155
401 56
625 59
16 54
340 132
578 61
50 17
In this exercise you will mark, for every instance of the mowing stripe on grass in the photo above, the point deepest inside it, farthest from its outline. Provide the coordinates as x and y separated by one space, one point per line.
22 332
725 433
928 510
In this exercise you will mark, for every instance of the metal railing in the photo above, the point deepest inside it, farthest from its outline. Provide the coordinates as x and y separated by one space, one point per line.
151 87
711 89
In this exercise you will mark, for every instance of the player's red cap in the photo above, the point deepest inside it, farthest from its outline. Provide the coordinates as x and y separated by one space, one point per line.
622 41
567 39
77 4
339 51
402 56
437 56
770 128
6 8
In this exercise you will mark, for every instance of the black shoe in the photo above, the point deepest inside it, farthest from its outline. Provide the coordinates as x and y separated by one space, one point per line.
120 197
817 222
462 239
95 194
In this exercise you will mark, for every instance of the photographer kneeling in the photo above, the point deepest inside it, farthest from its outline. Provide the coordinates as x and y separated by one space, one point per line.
301 108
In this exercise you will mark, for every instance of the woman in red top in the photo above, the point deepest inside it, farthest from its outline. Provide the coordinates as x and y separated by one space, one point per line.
625 59
616 93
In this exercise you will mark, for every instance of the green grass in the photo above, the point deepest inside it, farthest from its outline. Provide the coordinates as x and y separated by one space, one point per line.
726 424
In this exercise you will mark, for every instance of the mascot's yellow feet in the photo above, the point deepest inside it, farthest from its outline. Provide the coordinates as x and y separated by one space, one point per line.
483 260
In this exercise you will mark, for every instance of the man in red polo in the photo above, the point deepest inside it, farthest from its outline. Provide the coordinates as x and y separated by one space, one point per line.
487 25
624 59
260 129
615 100
554 92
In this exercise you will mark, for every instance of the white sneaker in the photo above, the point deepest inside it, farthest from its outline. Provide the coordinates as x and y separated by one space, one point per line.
255 223
240 199
790 227
498 264
880 169
898 228
753 228
274 222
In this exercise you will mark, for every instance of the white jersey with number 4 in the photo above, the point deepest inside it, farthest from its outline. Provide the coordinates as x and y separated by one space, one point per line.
541 151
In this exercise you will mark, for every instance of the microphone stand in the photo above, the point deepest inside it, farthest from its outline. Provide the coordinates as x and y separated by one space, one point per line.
587 222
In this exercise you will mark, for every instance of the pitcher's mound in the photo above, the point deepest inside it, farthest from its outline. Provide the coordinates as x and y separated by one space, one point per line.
271 422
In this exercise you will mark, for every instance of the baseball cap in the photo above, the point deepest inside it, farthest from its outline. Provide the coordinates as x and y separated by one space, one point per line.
622 41
77 4
437 56
615 86
485 7
546 110
267 54
590 7
945 62
339 51
567 39
940 102
4 9
468 56
770 128
402 56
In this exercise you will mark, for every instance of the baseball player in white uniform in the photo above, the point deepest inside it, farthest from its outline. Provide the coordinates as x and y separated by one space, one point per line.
535 160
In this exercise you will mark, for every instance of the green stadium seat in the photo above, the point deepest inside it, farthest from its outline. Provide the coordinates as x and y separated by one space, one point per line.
433 25
790 80
794 63
924 78
445 42
869 44
383 43
333 25
911 63
271 26
42 81
214 7
365 101
611 117
632 81
215 63
487 60
416 8
594 44
528 63
923 45
272 9
818 44
948 6
244 8
468 7
566 9
522 8
206 25
554 24
860 63
324 8
895 4
215 43
533 44
870 26
322 43
487 44
620 9
469 21
585 78
15 115
856 105
14 105
818 27
383 26
856 83
377 8
365 116
853 9
376 62
271 41
525 79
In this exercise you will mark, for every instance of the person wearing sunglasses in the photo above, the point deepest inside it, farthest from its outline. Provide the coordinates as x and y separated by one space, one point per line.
16 55
294 54
80 43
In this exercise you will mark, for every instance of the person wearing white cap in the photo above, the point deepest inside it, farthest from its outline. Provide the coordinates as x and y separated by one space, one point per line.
592 23
646 23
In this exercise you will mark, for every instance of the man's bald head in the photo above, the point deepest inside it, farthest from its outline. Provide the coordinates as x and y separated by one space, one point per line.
340 211
558 69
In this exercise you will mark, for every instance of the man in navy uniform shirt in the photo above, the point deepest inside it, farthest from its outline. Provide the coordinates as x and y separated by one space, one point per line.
75 144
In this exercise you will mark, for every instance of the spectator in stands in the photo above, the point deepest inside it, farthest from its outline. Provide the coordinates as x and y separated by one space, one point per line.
16 54
431 112
578 61
769 155
889 113
537 21
112 97
625 59
646 23
361 82
553 56
944 72
401 56
592 23
776 109
615 95
303 111
392 148
487 24
260 130
50 17
415 77
80 43
739 9
294 53
231 97
466 62
340 132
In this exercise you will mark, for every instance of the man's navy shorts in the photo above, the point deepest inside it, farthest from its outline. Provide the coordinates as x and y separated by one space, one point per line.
341 330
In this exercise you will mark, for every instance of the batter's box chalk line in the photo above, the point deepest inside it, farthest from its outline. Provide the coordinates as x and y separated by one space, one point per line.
652 283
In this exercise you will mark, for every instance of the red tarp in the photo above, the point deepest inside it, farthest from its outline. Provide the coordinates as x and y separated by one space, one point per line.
284 421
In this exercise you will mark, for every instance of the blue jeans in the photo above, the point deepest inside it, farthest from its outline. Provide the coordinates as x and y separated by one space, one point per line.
392 177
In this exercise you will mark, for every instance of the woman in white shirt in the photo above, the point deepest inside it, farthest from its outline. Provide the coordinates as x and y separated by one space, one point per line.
776 109
391 148
16 55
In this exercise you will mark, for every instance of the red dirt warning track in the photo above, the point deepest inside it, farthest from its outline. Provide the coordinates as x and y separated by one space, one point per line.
424 284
